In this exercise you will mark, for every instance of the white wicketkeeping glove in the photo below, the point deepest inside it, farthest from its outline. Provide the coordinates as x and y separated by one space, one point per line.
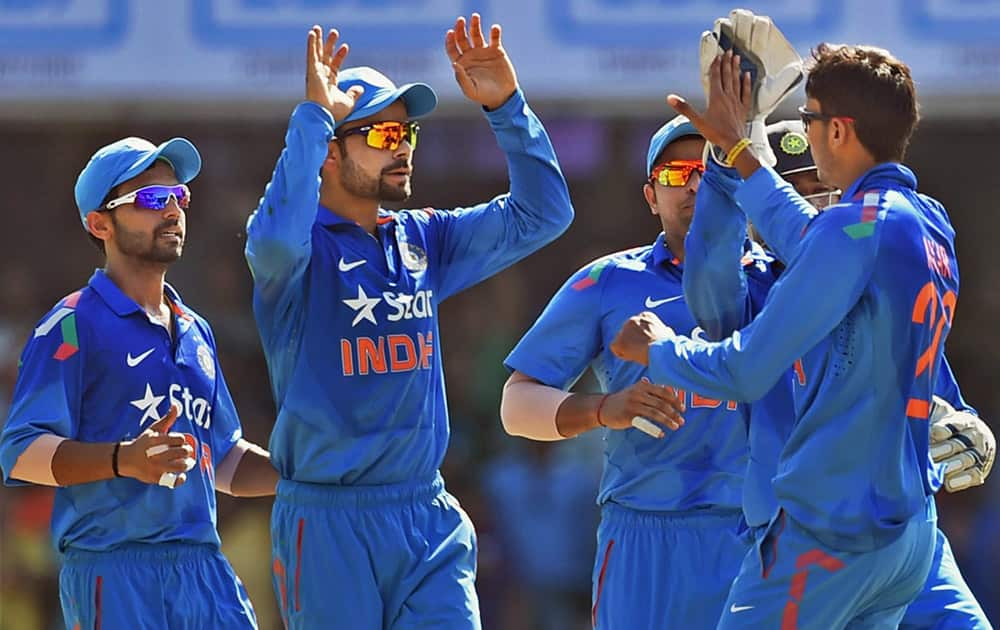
963 444
775 68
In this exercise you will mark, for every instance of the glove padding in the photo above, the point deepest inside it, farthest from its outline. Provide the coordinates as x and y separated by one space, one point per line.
774 66
963 444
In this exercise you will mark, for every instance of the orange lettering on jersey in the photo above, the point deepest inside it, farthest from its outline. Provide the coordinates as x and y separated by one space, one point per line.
800 372
426 345
409 360
347 357
937 258
371 356
701 402
393 353
206 460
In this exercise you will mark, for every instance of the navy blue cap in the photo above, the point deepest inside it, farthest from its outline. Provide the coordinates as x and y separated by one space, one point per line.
790 144
122 160
380 93
677 127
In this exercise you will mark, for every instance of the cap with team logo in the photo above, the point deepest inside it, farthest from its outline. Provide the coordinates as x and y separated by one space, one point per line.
791 147
122 160
380 92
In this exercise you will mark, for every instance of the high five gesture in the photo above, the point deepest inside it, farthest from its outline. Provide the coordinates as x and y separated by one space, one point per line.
483 71
323 61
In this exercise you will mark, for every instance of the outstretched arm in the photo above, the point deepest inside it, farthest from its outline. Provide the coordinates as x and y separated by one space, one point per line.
475 243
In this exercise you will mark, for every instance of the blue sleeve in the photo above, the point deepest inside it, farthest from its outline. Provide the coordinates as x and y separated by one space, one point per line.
566 337
947 388
475 243
48 393
831 269
279 232
715 287
226 427
780 214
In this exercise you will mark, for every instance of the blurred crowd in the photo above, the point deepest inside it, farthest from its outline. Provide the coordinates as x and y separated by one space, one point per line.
532 503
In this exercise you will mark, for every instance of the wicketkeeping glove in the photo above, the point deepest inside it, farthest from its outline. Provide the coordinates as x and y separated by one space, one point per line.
963 444
774 66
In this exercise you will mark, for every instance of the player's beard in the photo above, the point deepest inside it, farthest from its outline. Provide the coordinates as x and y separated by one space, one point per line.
138 245
360 184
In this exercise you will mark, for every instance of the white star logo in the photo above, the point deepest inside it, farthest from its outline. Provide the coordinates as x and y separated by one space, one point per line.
364 307
148 404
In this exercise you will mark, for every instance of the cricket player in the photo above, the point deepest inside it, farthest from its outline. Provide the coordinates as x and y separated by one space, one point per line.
863 308
962 438
346 295
670 538
121 404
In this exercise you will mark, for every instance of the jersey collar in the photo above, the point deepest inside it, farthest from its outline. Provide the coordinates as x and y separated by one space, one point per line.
885 175
662 254
123 305
328 218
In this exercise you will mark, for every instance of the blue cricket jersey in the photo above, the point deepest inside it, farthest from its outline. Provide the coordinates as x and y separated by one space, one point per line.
348 320
699 466
720 292
98 369
862 311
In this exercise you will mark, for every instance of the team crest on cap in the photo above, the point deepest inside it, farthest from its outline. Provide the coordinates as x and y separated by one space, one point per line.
414 258
206 362
794 143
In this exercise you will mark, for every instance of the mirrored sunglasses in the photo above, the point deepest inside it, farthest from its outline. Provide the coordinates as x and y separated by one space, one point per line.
676 172
155 197
386 135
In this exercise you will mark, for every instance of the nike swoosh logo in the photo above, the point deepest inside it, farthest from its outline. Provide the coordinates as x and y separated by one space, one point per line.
651 303
134 361
735 609
346 266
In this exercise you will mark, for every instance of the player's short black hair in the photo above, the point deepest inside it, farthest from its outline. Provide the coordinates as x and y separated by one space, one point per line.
871 86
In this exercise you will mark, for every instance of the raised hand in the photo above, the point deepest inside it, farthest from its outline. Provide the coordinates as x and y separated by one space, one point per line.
646 400
323 62
724 122
157 453
483 71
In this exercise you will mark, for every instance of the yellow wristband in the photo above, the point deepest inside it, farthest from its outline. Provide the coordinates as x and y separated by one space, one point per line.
735 151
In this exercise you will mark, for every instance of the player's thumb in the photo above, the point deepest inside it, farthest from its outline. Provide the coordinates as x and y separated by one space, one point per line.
464 81
163 424
684 108
355 92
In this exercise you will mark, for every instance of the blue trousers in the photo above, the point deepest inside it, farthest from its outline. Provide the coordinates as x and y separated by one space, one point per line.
167 586
392 556
658 570
946 602
791 580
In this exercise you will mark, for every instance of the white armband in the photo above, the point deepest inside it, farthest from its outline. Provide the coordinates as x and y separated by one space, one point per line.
34 465
227 467
528 408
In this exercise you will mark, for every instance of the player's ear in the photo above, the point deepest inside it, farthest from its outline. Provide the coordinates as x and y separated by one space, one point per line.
838 130
333 157
99 224
649 192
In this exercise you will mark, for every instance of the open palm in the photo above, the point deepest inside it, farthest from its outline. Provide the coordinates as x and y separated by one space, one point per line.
483 71
323 62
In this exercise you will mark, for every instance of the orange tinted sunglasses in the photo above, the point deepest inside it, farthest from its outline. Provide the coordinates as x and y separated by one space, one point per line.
676 172
386 135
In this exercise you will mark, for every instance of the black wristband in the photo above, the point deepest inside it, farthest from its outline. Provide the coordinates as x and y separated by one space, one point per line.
114 460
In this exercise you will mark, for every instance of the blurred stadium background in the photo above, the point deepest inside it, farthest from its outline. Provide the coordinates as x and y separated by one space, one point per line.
77 74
